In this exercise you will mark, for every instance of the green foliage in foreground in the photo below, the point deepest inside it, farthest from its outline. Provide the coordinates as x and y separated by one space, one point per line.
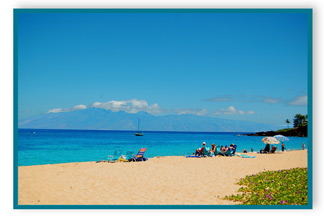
282 187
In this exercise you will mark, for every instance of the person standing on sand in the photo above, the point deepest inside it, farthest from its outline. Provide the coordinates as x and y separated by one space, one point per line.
251 149
282 147
303 146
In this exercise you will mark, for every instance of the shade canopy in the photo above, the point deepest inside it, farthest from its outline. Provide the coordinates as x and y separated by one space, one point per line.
281 138
270 140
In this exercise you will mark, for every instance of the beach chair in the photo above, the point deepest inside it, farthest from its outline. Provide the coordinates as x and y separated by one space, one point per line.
228 152
273 150
217 150
266 149
139 156
115 156
205 151
234 150
127 156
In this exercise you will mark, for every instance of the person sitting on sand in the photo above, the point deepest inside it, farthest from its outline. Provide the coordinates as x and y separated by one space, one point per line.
221 151
200 151
226 148
211 152
244 151
232 148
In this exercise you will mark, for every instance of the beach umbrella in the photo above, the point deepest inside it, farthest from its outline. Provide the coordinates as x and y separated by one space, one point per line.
270 140
281 138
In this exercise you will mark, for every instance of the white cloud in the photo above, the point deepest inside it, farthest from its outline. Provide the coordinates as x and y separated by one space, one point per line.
191 111
55 110
130 106
232 111
80 107
77 107
134 106
271 100
299 101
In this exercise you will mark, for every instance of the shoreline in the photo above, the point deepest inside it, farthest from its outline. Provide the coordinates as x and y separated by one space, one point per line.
167 180
237 153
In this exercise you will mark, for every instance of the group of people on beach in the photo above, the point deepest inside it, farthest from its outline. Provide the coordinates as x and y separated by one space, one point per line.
213 152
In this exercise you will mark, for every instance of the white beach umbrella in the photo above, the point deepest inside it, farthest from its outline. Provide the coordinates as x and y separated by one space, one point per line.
281 138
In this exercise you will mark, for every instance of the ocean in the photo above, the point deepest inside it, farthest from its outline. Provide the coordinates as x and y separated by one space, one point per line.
46 146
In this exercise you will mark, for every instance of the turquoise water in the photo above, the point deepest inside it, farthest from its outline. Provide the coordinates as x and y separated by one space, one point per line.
36 146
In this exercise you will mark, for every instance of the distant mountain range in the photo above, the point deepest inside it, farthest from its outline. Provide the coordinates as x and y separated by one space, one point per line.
101 119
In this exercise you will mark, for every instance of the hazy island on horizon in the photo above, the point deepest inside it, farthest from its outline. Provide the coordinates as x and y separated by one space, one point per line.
101 119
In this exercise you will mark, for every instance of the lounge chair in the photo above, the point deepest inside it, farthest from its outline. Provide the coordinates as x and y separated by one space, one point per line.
273 150
266 149
234 150
228 152
115 156
139 156
221 153
127 156
205 151
217 150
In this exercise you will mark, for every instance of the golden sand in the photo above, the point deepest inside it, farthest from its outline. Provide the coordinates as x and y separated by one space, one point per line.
158 181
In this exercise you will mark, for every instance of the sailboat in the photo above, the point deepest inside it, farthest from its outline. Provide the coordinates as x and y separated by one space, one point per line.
138 132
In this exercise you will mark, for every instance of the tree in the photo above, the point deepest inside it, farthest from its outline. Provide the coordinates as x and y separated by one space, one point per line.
288 122
300 120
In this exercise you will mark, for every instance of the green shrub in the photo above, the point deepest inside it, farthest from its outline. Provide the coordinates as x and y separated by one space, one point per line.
282 187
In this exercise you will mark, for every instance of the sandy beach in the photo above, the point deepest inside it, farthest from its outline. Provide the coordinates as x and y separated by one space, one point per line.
158 181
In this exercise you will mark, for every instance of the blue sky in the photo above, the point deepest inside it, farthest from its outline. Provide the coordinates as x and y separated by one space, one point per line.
228 65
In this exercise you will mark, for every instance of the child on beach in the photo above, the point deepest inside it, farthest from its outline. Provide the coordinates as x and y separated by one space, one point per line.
200 151
282 147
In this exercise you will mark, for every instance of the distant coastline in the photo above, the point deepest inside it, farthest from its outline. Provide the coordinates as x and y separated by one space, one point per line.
293 132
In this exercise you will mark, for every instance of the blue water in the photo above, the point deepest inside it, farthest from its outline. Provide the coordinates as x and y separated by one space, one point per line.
36 146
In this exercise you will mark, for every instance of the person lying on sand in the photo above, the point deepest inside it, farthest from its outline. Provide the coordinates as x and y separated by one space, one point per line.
200 151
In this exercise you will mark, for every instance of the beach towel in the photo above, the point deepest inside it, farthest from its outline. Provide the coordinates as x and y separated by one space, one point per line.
192 156
246 156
